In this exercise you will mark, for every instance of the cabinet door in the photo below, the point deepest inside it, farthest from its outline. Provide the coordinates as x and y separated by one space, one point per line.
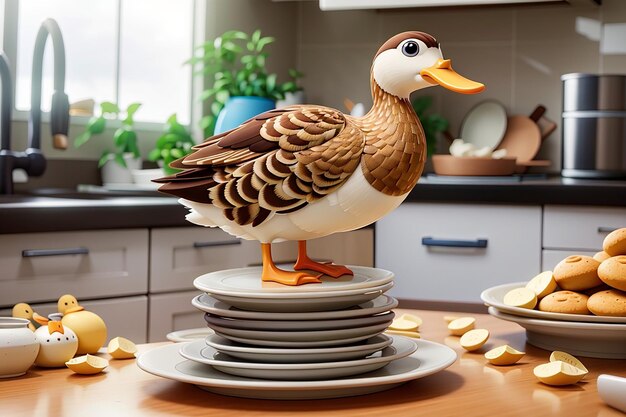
178 255
349 248
126 316
436 250
582 228
88 264
171 312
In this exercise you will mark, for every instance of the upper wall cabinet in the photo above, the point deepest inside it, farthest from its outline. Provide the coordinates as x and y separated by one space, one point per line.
395 4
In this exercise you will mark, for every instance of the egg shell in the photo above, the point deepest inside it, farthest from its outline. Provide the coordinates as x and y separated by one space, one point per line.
57 348
503 355
558 373
89 328
557 355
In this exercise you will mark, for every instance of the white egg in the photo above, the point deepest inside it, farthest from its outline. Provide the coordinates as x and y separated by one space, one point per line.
56 348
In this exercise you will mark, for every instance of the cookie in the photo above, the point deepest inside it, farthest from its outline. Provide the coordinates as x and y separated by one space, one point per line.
608 303
613 272
567 302
577 272
615 242
601 256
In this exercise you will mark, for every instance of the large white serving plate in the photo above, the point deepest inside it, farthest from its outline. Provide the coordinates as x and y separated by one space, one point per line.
380 304
247 282
308 339
298 355
199 352
494 297
166 362
594 340
333 300
291 325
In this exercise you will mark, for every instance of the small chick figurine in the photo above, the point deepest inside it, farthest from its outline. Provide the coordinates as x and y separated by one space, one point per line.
89 327
58 343
24 311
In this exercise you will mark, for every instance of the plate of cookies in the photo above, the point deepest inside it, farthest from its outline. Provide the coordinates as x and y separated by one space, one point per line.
579 289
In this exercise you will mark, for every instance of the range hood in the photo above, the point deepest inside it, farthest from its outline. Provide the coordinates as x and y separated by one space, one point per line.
394 4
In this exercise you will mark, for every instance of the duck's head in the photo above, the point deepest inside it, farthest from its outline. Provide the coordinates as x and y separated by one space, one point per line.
410 61
68 304
22 310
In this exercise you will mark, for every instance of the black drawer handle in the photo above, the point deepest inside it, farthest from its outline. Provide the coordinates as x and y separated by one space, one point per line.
602 229
198 245
454 243
32 253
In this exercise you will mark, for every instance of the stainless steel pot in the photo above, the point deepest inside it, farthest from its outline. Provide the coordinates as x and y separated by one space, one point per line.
594 126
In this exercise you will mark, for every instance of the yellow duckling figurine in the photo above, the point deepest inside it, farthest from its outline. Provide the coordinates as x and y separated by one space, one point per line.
58 343
89 327
24 311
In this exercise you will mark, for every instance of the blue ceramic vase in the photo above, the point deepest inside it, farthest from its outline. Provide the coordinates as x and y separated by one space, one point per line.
239 109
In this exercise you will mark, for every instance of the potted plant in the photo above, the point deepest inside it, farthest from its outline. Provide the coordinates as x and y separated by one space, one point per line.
174 143
240 87
116 164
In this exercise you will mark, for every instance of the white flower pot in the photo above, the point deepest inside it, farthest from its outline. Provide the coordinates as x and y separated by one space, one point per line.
18 347
114 173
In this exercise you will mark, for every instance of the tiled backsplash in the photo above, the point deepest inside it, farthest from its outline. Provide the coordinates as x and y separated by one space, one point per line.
519 52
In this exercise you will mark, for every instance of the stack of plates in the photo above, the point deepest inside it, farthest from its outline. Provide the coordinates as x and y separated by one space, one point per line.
584 335
312 341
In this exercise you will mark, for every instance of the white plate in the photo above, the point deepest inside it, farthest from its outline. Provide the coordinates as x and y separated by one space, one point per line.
199 352
332 301
298 325
380 304
246 282
166 362
493 297
594 340
312 338
189 335
286 355
485 124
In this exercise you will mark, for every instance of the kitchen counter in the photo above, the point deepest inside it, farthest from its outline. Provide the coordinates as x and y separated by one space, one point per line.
87 211
470 387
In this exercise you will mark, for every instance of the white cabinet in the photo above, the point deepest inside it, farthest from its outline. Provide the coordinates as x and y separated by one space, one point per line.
125 316
451 252
39 267
170 312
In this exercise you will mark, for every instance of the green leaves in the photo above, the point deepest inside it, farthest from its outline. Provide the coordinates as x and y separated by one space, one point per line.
173 144
432 123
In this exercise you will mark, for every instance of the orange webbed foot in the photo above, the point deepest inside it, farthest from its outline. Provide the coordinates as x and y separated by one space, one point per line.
289 277
329 269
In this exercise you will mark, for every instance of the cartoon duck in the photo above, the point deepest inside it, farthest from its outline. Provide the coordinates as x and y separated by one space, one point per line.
89 327
24 311
304 172
58 343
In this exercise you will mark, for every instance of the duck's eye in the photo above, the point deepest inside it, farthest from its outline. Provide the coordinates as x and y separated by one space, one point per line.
65 303
410 48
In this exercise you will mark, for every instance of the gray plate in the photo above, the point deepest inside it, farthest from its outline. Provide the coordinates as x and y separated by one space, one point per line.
298 355
165 361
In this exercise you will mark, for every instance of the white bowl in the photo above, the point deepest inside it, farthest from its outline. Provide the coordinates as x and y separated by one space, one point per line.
18 347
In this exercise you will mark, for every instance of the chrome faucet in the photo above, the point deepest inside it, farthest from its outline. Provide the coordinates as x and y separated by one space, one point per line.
32 159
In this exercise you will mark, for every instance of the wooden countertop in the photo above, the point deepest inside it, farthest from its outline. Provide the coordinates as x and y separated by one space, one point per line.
470 387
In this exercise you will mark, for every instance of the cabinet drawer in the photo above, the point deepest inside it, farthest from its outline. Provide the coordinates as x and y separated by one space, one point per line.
126 316
550 258
90 264
179 255
471 247
351 248
567 227
170 312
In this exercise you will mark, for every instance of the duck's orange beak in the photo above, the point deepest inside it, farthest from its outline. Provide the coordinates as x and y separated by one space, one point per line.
74 309
442 73
55 326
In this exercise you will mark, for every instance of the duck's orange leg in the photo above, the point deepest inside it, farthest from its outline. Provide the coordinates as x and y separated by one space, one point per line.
304 262
272 273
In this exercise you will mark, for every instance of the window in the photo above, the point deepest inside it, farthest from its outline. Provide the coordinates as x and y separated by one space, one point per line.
122 51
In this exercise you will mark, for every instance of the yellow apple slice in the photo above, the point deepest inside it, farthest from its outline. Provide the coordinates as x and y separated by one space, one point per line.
567 358
474 339
558 373
521 297
414 335
121 348
87 364
462 325
412 317
403 325
448 319
543 284
503 355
